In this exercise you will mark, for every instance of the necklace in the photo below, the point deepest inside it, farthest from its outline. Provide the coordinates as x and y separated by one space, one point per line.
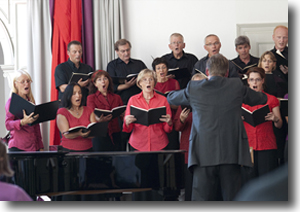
73 110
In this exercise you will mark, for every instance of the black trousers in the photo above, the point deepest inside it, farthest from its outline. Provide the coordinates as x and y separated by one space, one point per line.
207 181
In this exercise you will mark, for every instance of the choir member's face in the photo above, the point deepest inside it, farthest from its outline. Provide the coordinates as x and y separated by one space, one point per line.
161 70
124 52
75 53
243 50
212 45
268 64
176 44
147 83
102 83
22 84
281 38
255 81
77 96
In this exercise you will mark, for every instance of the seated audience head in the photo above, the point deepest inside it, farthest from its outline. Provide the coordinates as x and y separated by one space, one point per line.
146 80
217 65
177 43
212 44
4 162
280 37
102 82
242 46
74 51
122 48
72 96
267 61
198 77
22 85
160 66
256 78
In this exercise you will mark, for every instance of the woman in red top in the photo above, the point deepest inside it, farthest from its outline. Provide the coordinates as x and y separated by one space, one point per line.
262 137
73 114
165 84
152 137
102 97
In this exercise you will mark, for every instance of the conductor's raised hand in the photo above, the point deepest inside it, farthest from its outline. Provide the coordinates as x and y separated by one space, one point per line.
129 119
166 118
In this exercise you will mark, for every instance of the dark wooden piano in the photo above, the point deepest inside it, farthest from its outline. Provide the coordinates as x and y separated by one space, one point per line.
55 173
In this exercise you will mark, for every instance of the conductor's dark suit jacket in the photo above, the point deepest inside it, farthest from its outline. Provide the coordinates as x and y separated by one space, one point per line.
218 135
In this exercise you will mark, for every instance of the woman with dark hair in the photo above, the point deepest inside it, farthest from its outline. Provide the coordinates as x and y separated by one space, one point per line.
262 137
73 114
164 85
102 97
9 192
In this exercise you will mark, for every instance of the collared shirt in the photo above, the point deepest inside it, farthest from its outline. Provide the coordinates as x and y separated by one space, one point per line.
241 67
63 73
262 136
148 138
97 100
201 66
186 61
27 138
118 68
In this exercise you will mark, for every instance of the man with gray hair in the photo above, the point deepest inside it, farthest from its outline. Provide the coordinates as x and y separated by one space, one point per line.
212 45
218 140
244 60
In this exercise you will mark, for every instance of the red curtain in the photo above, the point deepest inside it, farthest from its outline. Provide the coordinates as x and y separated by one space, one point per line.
67 22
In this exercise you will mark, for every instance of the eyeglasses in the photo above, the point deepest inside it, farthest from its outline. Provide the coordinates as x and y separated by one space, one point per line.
269 61
24 81
179 42
215 44
255 80
148 79
102 79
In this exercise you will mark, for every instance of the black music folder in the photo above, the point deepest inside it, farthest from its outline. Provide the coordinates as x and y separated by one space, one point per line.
281 60
77 76
147 117
180 73
97 129
116 112
186 106
47 111
284 107
257 116
161 93
121 80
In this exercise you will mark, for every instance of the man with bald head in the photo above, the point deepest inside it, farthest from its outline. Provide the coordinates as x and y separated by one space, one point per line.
212 45
281 39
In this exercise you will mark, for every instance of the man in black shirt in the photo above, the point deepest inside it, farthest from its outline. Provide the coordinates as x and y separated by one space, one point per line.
178 58
123 66
212 45
63 72
244 60
281 39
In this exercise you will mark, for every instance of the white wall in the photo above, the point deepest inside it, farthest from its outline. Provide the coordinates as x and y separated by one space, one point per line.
148 24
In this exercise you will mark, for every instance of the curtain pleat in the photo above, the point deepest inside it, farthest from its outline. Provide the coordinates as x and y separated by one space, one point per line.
39 54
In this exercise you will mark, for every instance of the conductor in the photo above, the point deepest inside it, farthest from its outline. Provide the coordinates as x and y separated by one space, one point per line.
218 140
